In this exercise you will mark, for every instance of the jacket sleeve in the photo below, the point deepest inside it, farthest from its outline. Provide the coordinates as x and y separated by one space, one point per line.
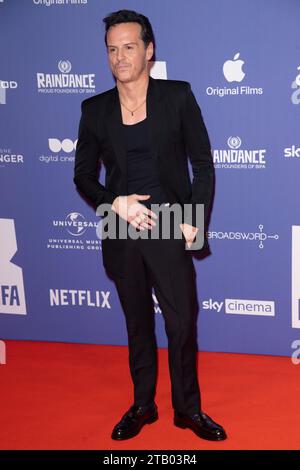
199 150
86 164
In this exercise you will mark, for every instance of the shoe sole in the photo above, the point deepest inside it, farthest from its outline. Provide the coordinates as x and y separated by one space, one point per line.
150 420
180 424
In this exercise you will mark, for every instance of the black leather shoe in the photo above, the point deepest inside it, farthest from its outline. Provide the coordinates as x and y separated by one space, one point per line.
201 424
132 422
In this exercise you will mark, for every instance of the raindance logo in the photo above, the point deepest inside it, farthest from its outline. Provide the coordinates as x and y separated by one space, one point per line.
237 158
65 82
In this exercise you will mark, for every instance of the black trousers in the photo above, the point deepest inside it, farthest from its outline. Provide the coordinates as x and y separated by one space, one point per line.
167 266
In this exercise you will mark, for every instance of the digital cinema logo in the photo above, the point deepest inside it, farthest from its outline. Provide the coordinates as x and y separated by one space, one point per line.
65 82
296 276
233 73
62 151
12 296
236 158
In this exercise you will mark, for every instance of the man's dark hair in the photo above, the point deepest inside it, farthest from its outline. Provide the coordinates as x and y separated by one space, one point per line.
130 16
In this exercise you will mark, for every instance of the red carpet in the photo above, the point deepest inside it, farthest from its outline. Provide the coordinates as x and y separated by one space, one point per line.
69 396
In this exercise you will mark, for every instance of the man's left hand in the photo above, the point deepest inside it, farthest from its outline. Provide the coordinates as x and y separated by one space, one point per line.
189 232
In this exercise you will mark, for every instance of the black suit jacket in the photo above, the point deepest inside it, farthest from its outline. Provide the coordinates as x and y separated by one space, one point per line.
177 132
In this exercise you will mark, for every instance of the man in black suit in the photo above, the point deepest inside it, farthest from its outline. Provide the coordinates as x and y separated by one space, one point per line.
144 130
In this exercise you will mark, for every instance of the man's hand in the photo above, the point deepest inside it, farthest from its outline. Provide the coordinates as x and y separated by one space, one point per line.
134 212
189 232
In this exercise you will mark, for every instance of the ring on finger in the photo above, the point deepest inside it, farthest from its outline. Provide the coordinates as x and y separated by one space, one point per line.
143 217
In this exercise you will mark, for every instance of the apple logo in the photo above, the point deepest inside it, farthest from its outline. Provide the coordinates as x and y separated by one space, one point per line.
232 69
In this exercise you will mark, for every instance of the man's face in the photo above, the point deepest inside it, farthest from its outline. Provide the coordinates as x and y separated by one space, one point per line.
127 55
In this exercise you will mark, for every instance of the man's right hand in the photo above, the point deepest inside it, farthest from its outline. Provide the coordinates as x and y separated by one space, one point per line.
129 208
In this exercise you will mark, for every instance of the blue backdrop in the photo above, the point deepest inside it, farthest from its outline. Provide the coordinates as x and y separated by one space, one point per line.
242 60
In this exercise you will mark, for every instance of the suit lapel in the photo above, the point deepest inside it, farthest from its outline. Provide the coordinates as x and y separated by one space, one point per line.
156 117
155 123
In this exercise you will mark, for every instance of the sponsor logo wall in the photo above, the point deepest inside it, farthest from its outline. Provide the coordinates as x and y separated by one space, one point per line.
244 69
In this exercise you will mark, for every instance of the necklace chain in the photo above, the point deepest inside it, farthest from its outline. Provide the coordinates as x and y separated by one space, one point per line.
132 110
